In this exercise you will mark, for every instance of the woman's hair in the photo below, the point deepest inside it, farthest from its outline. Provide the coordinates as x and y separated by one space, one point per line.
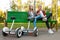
30 7
38 11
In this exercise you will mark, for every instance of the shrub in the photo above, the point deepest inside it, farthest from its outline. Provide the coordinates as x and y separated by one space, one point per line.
1 19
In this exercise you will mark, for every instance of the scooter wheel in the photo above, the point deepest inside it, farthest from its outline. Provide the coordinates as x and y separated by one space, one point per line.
4 34
19 33
36 32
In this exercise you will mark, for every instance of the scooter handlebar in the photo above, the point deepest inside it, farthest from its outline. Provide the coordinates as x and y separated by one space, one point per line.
13 18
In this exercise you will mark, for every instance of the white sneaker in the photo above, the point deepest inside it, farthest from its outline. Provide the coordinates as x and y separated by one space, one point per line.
35 28
50 31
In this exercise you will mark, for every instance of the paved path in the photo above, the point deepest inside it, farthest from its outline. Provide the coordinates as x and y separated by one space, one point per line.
43 35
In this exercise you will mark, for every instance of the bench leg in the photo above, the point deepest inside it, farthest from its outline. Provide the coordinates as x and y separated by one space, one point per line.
56 27
5 23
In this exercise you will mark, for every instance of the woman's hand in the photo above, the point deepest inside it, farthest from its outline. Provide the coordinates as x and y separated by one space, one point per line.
38 13
44 16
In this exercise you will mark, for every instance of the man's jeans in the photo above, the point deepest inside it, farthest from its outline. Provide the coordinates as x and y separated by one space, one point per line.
39 17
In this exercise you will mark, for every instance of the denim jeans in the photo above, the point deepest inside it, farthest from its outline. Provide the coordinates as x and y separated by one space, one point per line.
40 18
35 19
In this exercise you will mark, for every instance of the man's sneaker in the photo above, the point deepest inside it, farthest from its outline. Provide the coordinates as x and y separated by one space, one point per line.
35 28
50 31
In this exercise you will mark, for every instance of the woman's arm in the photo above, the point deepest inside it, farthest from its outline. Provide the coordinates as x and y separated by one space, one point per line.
44 12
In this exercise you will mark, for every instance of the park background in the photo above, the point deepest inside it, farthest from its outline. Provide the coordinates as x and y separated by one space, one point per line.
22 5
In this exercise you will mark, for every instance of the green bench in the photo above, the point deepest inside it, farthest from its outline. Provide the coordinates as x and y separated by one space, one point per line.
21 17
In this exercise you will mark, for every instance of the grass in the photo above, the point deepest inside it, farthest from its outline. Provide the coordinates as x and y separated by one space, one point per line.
39 25
16 25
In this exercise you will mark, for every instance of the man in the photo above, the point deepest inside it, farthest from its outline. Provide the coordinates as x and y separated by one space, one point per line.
40 15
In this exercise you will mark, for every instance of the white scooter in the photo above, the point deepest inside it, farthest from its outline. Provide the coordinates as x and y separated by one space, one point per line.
7 31
29 31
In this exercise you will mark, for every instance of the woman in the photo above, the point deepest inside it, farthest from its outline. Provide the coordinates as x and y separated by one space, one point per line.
30 13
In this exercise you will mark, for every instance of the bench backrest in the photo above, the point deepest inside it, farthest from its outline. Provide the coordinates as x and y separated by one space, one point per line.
21 17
